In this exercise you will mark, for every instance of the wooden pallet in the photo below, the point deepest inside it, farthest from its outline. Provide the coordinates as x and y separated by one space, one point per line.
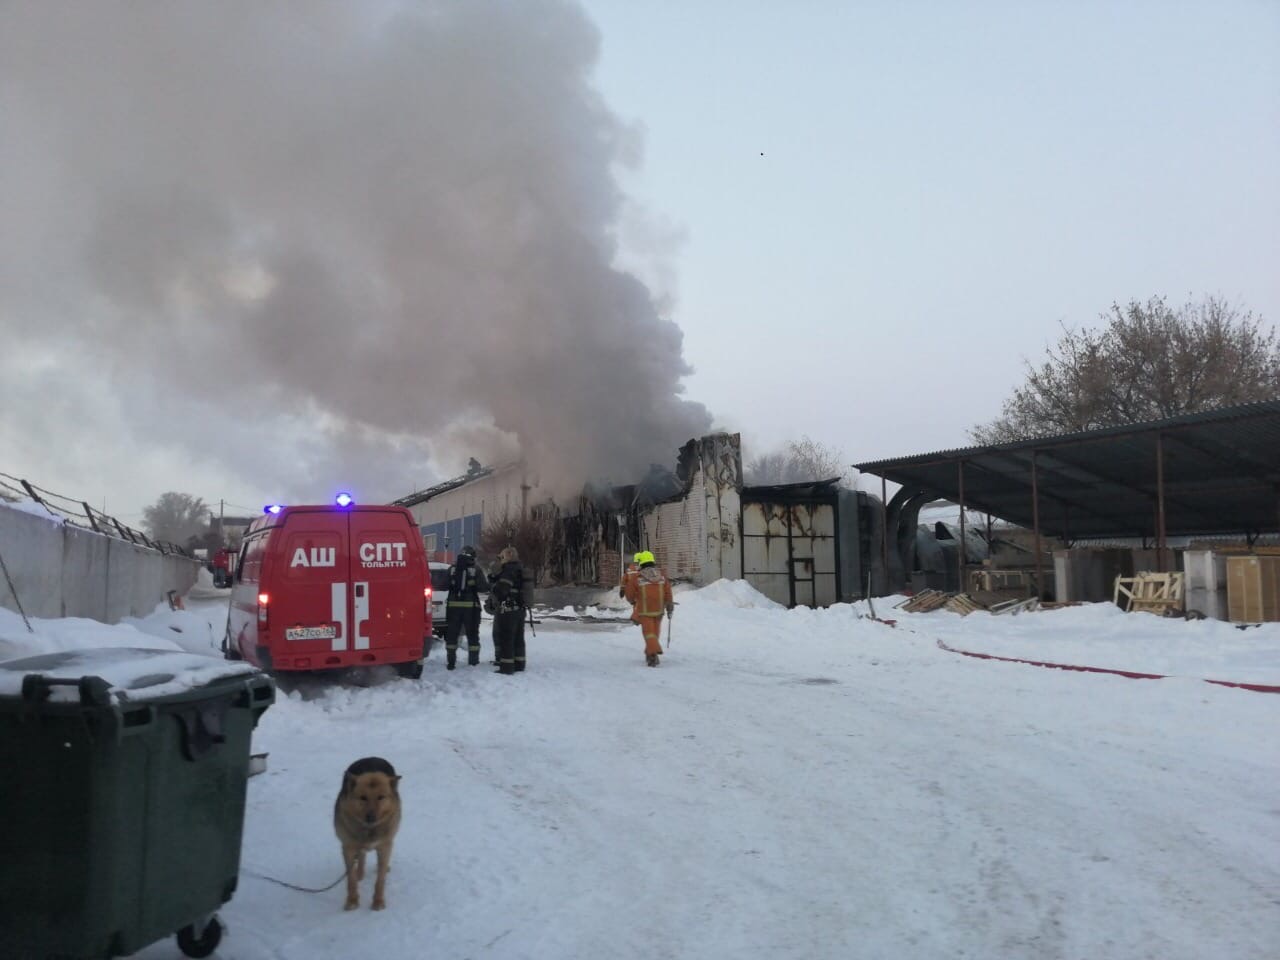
962 604
1158 593
924 601
927 600
1014 606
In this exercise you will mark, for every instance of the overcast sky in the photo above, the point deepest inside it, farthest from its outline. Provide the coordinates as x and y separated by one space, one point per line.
862 216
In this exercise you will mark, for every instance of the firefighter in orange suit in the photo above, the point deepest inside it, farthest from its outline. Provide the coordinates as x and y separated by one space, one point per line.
629 575
650 596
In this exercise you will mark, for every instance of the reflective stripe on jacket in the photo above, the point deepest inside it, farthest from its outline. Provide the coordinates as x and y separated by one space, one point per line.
650 592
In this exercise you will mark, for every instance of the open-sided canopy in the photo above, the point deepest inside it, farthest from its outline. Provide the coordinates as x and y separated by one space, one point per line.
1219 472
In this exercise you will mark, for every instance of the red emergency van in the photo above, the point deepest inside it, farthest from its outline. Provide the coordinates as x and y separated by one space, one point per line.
328 587
224 567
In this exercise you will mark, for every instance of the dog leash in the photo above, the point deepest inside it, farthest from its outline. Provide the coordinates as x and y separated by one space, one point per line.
294 886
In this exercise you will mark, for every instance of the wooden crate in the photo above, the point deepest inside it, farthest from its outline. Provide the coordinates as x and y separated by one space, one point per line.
1253 589
1147 592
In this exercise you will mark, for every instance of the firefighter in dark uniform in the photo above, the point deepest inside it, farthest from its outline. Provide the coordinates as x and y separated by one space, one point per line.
510 595
462 612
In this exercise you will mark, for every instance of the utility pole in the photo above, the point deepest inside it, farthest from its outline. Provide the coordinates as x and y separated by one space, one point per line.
622 547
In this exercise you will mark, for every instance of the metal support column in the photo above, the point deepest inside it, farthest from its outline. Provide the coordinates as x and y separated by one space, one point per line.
961 556
884 531
1161 544
1035 525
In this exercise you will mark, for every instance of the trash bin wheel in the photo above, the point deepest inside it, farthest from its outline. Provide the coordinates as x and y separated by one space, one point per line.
204 943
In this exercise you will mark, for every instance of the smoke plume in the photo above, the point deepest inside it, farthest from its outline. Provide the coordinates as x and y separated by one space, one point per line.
357 241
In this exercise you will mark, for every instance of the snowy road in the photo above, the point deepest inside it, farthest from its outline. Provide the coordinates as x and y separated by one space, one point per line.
786 785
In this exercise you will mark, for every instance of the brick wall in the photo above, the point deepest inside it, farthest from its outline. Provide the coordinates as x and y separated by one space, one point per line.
675 532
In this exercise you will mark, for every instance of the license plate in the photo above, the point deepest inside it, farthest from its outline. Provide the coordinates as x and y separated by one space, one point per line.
310 633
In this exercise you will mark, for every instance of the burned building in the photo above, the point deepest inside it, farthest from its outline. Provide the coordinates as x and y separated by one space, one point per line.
809 544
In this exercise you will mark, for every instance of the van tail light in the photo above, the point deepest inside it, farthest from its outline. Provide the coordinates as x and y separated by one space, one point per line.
426 598
262 607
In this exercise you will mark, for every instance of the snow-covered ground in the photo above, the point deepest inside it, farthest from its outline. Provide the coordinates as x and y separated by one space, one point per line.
788 784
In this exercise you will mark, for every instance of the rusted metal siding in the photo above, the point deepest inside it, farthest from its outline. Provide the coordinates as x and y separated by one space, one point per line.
790 552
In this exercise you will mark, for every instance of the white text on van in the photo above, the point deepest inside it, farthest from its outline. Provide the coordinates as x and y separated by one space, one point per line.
382 554
320 557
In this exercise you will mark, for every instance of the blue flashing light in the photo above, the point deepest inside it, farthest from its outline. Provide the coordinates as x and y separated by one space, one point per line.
344 500
272 508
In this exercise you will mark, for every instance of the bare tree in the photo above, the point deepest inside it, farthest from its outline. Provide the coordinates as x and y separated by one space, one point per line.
176 517
1149 362
802 461
531 535
768 468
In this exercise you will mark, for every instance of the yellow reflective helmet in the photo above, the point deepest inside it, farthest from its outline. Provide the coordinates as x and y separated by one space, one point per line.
643 557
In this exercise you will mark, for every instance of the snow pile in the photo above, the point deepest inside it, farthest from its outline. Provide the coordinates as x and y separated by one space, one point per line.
133 674
27 505
1103 635
730 593
77 633
609 601
193 632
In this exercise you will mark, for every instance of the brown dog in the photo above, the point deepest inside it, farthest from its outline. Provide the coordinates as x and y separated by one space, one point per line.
366 816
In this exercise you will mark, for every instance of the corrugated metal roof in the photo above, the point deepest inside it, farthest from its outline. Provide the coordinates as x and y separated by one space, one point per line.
1221 474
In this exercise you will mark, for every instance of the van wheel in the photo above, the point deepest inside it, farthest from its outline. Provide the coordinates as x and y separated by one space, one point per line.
410 671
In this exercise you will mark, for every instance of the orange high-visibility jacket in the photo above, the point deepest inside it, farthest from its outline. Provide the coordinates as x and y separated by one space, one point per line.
629 579
650 592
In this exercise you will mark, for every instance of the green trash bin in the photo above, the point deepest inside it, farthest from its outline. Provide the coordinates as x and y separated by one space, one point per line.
123 799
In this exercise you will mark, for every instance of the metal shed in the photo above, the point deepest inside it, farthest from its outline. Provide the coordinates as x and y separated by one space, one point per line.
1215 472
808 544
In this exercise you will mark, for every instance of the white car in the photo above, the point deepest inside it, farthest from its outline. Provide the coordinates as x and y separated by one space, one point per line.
439 594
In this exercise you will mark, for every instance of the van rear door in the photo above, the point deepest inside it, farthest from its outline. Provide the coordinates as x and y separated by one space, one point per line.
388 577
310 613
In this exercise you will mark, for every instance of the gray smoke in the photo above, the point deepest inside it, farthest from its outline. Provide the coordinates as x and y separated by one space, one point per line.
373 239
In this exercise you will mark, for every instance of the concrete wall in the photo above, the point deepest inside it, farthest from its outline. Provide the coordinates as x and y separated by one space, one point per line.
63 571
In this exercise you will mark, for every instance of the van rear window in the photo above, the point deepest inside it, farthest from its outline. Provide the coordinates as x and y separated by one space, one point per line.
439 579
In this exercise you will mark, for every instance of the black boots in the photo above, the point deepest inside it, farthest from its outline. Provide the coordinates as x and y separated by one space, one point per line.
453 660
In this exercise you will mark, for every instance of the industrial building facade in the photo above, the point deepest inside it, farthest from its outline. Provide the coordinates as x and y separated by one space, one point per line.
809 544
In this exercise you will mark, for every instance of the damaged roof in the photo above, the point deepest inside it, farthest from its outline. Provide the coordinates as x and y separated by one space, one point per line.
1220 474
801 491
422 496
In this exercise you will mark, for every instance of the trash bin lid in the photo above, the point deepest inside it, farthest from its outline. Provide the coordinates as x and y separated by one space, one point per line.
133 674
